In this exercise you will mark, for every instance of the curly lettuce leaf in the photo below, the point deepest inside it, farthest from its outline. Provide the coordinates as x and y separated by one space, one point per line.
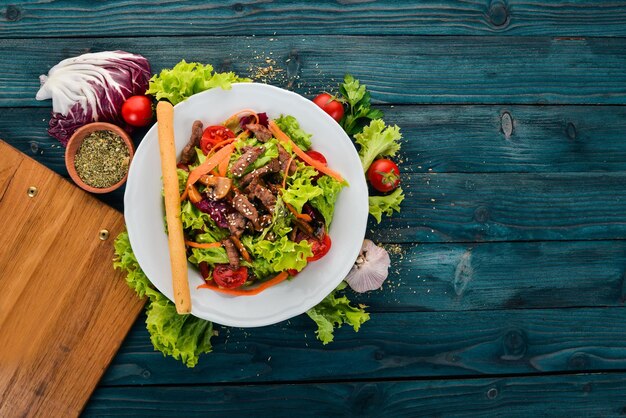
289 125
334 311
386 204
187 79
377 139
359 110
183 337
300 187
325 202
210 255
125 260
281 254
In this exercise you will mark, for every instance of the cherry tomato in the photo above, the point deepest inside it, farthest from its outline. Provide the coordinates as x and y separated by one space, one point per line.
137 111
320 248
330 105
213 135
318 156
384 175
229 278
292 272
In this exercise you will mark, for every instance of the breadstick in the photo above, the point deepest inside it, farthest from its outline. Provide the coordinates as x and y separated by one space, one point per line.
176 240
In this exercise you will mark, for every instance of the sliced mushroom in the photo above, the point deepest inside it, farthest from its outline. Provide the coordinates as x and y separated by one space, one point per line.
217 187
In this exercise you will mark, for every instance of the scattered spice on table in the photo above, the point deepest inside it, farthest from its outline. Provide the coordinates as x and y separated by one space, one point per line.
102 159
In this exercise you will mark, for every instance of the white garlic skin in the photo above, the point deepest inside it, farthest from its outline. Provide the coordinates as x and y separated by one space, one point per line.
370 269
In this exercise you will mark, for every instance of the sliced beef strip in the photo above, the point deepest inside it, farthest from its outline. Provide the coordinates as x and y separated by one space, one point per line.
260 132
248 157
236 223
263 194
189 151
284 157
231 252
272 167
246 208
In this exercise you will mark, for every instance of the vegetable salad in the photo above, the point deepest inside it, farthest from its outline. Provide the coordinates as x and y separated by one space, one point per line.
256 201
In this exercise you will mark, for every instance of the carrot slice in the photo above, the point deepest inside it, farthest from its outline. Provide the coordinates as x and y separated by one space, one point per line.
223 166
238 115
203 245
295 213
281 136
210 163
248 292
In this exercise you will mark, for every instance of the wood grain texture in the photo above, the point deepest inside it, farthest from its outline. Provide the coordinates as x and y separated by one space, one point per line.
438 138
507 207
196 17
392 345
589 395
428 69
63 310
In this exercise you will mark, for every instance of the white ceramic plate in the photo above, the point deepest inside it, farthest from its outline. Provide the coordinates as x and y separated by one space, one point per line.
144 211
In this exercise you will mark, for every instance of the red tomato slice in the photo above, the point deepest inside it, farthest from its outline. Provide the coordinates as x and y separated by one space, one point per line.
320 248
213 135
227 277
317 156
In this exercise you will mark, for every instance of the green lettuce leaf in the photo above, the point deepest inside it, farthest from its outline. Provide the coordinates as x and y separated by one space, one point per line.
300 188
210 255
334 311
290 126
325 202
193 218
377 139
125 260
281 221
182 179
183 337
187 79
386 204
281 254
359 110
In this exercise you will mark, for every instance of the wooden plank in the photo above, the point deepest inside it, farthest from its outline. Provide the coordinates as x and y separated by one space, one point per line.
439 138
392 345
519 275
196 17
428 69
63 309
597 395
508 207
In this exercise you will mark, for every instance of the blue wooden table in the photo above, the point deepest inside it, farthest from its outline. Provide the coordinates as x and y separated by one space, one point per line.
506 295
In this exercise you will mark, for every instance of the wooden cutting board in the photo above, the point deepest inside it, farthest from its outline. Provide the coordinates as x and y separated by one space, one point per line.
64 311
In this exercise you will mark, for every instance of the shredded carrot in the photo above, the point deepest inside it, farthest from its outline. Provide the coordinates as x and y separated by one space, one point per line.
220 145
238 115
203 244
319 166
287 172
184 195
210 163
295 213
248 292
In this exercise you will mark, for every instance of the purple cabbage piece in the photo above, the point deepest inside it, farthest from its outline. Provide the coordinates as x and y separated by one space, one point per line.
263 120
216 210
92 87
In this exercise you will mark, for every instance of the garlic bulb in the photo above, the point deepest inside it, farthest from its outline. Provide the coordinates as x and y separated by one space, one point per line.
370 269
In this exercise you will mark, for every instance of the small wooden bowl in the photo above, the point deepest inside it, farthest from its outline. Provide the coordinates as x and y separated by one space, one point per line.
77 139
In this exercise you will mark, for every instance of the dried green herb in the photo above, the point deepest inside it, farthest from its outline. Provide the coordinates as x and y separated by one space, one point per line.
102 159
